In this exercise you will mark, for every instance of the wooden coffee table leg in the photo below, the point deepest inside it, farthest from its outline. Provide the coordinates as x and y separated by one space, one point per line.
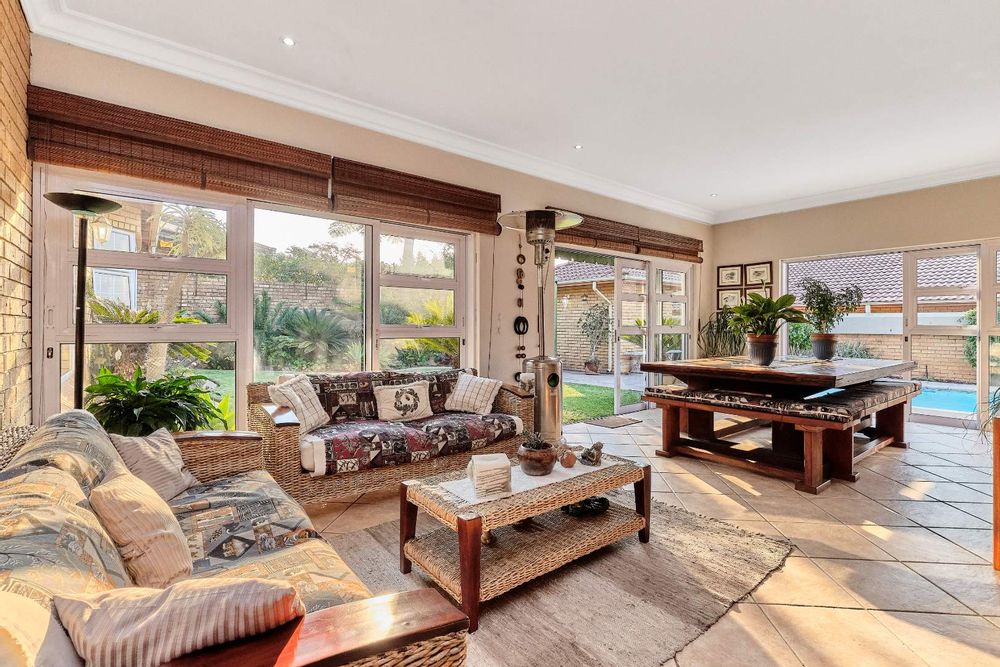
470 535
643 500
407 527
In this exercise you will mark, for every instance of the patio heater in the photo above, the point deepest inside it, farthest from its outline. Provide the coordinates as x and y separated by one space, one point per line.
539 227
85 207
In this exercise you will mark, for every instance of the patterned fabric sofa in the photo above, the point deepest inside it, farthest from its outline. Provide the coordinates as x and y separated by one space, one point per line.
363 453
238 521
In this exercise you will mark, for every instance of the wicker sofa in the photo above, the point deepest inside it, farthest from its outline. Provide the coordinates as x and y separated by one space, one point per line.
239 523
448 440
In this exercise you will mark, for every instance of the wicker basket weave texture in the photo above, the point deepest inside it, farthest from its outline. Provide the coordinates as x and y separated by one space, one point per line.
282 458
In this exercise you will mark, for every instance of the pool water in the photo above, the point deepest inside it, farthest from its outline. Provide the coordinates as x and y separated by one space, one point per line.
946 399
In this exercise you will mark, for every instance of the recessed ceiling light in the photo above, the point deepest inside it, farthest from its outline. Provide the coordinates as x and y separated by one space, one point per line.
288 41
578 147
713 195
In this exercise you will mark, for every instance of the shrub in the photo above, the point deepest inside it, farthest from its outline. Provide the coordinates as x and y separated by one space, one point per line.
826 308
798 338
595 325
138 406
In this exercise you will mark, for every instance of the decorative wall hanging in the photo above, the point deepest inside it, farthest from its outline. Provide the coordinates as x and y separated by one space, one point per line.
757 274
728 298
730 276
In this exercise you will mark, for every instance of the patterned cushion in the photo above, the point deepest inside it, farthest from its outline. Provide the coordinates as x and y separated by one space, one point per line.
358 445
836 405
72 441
145 627
49 542
347 396
238 517
452 432
473 394
441 383
316 571
405 402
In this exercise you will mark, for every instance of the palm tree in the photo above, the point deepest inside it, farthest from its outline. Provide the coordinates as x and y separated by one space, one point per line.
320 336
270 328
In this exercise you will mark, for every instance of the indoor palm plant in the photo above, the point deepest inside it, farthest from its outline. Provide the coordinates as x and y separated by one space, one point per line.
825 309
137 406
760 317
718 338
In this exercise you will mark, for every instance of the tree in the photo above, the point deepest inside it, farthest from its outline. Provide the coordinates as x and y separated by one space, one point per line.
595 325
320 336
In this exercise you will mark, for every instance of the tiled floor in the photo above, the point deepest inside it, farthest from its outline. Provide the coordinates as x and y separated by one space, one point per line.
891 570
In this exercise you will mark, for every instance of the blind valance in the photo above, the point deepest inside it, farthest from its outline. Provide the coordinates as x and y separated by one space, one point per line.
604 234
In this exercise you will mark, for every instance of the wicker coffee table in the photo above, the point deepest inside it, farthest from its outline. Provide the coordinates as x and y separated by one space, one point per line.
454 555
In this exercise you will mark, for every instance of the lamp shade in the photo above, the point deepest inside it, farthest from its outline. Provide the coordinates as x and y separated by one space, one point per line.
518 220
87 205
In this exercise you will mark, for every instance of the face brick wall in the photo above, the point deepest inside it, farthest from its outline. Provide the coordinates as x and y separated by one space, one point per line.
15 219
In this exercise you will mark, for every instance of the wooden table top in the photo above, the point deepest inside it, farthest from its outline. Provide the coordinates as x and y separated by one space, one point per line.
796 371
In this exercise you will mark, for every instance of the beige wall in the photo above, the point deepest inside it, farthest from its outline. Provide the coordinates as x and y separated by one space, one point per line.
15 219
82 72
950 213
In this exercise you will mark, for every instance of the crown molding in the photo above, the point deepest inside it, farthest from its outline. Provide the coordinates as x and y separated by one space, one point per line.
53 19
908 184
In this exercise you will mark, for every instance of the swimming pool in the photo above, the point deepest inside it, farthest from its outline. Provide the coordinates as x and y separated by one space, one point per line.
953 400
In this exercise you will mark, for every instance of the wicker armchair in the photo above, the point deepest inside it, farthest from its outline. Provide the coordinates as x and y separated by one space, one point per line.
279 428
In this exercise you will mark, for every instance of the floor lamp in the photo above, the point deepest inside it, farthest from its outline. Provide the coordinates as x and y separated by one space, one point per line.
85 207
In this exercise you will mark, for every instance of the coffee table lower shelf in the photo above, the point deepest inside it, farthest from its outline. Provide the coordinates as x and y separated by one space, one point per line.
519 554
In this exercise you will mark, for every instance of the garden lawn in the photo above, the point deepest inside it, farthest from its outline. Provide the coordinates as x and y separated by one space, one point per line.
582 402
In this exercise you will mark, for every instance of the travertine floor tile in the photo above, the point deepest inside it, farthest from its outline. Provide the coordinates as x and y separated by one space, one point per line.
365 515
889 585
978 541
975 586
801 582
946 641
717 506
959 473
823 637
861 511
822 540
916 544
789 510
743 636
982 511
689 483
954 492
932 514
323 514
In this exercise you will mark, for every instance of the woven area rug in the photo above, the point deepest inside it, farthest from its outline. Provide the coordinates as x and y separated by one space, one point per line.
627 604
614 421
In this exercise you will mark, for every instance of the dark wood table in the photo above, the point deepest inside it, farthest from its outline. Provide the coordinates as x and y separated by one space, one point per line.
788 377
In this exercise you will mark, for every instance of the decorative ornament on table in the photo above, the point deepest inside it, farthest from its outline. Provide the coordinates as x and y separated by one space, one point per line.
537 456
591 506
591 456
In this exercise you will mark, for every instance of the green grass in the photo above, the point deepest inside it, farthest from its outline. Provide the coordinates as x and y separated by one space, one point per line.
586 401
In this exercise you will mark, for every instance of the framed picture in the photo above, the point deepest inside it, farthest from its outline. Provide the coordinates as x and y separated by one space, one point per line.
758 273
763 291
727 298
730 276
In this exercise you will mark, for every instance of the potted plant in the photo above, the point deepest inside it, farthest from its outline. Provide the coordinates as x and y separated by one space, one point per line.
759 318
825 309
137 406
595 324
718 338
537 456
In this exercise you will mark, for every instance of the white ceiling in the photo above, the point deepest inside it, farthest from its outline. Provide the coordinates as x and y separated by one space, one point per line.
772 105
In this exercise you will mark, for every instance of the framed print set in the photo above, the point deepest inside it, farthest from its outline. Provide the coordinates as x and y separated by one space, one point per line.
736 281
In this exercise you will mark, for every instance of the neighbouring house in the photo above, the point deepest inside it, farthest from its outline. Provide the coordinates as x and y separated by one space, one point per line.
876 330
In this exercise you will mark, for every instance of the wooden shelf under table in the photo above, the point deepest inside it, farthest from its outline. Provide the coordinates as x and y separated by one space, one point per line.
519 554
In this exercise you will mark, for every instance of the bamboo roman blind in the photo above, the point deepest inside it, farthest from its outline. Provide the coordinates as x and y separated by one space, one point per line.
595 232
80 132
374 192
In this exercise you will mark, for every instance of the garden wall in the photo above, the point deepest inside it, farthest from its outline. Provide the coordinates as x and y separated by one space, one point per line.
940 358
572 302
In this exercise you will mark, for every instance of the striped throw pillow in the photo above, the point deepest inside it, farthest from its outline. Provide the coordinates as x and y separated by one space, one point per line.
156 460
298 394
142 627
473 394
145 530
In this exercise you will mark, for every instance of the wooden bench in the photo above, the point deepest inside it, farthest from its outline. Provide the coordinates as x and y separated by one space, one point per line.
814 437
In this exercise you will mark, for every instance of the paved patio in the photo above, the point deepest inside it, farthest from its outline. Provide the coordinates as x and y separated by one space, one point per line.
891 570
636 381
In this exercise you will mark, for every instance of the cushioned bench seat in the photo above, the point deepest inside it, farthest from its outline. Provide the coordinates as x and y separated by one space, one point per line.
835 405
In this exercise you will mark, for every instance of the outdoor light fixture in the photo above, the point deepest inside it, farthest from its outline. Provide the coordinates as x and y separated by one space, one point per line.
85 207
539 227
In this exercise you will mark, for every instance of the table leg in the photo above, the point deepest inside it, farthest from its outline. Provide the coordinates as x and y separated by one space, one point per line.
838 451
643 500
812 473
407 526
701 424
892 422
671 430
470 535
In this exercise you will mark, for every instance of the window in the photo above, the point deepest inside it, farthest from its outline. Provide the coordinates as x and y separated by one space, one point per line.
316 295
202 283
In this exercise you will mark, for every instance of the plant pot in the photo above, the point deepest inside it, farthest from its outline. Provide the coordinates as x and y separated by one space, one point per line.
537 462
591 366
824 345
762 349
